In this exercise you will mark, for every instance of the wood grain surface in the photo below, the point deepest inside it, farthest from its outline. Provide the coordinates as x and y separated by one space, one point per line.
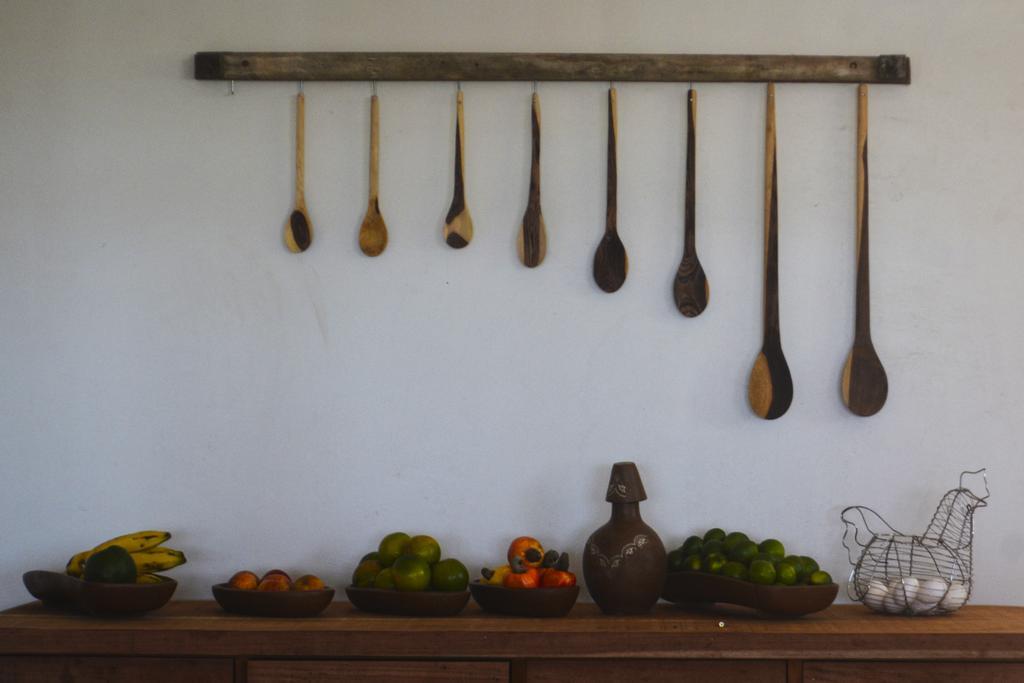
264 671
458 225
770 389
690 287
864 385
654 671
298 230
373 233
916 672
532 242
491 66
610 260
21 669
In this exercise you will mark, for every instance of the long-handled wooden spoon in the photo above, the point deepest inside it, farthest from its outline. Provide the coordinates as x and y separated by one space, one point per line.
865 386
690 287
532 243
298 231
771 387
458 225
373 234
610 260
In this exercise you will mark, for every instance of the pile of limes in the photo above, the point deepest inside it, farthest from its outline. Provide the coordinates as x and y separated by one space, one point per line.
737 556
410 563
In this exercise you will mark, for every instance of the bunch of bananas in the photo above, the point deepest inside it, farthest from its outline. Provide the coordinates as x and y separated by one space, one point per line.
145 549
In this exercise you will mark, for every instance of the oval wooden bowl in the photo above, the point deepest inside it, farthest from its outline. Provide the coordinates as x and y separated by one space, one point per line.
788 601
410 604
57 589
525 602
286 604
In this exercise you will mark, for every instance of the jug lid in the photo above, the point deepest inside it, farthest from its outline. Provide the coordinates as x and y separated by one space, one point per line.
624 486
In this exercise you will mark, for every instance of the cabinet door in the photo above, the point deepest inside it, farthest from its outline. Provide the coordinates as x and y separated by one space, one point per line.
913 672
644 670
19 669
268 671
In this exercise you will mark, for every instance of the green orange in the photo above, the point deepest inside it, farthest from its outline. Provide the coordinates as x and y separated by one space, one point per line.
411 573
423 546
391 546
449 575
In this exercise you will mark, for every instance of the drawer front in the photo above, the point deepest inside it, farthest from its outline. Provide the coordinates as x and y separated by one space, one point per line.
644 670
269 671
19 669
913 672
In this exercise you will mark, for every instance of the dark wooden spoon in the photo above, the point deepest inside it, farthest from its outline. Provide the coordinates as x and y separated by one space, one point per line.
770 389
865 386
373 234
610 260
532 243
458 225
690 287
298 230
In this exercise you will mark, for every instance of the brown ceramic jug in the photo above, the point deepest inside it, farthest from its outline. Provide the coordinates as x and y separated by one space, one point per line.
624 561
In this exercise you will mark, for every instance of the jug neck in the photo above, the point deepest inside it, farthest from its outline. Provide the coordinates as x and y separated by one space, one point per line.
625 512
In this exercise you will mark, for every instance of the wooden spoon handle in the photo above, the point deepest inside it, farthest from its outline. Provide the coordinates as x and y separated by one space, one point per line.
771 224
534 198
300 150
862 330
611 211
690 232
374 148
460 151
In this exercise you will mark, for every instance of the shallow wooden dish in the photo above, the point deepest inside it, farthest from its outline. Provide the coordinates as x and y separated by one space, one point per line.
287 604
57 589
789 601
525 602
410 604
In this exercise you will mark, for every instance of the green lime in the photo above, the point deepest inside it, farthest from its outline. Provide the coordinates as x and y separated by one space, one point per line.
735 570
785 574
691 545
713 563
675 560
710 547
733 539
111 565
692 563
423 546
820 578
385 579
773 548
744 552
715 534
798 564
762 572
370 556
365 573
449 575
764 556
411 572
391 547
810 566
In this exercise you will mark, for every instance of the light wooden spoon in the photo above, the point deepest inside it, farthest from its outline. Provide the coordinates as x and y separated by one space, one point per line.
610 260
770 389
373 234
298 230
532 243
458 225
690 287
865 385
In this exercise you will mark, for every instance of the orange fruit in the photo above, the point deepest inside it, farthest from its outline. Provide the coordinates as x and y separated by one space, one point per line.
411 573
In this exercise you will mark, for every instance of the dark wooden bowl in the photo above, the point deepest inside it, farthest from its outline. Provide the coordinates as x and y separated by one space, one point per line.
287 604
57 589
788 601
410 604
525 602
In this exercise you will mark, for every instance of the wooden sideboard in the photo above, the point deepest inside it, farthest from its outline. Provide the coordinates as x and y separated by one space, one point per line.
195 642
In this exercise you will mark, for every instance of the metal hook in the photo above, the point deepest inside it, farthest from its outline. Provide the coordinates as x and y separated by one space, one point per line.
458 86
373 88
535 86
232 87
300 87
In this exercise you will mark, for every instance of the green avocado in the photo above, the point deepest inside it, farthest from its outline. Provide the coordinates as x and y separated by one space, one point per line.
112 565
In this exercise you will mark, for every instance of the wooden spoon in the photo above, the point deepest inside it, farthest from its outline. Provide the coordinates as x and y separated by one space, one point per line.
771 387
532 243
298 230
691 284
610 260
373 235
865 386
458 225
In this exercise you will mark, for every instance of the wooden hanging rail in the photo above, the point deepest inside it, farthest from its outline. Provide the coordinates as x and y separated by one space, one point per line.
514 66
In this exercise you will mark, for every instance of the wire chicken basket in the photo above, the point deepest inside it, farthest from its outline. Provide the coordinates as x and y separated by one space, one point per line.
929 574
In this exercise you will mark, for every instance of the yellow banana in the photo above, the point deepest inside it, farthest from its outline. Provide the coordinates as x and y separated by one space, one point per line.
133 543
157 559
76 565
149 578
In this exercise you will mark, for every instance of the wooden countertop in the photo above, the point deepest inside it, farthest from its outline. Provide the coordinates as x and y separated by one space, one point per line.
840 632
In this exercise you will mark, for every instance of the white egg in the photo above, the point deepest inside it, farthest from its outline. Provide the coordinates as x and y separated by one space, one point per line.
875 596
929 593
955 597
910 586
894 601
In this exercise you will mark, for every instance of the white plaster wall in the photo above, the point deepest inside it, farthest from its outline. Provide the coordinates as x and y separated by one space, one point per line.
165 362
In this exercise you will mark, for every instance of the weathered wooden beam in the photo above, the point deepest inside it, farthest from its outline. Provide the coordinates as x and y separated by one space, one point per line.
494 66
